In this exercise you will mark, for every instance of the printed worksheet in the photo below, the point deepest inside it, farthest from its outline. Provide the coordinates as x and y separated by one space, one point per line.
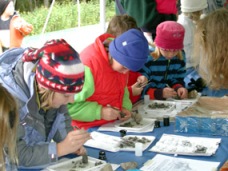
167 163
184 145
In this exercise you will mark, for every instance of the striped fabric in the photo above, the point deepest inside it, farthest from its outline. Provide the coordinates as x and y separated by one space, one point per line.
162 72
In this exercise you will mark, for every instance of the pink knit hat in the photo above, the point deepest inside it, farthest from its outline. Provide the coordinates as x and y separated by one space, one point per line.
170 36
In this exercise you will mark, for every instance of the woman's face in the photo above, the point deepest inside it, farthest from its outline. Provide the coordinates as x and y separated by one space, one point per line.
60 99
10 9
168 54
116 66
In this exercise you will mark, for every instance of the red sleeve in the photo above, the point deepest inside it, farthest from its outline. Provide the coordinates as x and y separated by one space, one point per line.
176 86
156 93
150 92
133 99
132 78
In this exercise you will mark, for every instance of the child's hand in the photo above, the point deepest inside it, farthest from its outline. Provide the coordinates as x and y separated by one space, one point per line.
109 113
136 89
21 25
139 85
26 28
142 79
182 93
127 114
169 92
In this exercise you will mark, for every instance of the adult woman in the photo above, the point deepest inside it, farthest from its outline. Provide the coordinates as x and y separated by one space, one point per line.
8 126
213 49
44 81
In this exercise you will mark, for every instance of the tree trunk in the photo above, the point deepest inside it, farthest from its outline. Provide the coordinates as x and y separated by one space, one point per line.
46 3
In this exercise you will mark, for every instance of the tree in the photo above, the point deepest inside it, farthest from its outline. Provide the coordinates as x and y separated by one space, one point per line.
46 3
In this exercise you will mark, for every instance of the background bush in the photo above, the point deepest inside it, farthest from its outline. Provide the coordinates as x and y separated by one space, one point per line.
65 15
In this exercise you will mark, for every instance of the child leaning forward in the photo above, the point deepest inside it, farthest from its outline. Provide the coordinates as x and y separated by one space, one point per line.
165 66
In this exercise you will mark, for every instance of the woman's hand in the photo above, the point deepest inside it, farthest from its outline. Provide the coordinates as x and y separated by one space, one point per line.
81 151
73 142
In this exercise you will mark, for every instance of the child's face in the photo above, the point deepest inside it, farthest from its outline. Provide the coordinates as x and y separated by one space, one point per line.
9 9
116 66
60 99
168 54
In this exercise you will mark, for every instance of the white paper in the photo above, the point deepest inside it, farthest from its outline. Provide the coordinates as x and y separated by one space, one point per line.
112 143
167 163
182 145
115 166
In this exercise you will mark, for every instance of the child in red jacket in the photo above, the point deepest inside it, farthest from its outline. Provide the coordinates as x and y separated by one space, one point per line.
118 25
105 97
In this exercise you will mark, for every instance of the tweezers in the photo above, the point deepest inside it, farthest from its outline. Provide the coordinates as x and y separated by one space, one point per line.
145 84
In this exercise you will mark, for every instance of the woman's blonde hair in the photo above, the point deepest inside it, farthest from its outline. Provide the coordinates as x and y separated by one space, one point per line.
9 118
46 97
211 42
156 53
195 16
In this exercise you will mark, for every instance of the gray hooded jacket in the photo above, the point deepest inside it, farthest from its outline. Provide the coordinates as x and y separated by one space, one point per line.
37 127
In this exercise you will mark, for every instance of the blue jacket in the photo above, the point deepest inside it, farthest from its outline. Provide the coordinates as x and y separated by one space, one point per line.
37 127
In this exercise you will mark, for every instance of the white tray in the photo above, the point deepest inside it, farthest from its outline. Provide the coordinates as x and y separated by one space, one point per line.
171 106
187 100
144 123
69 164
112 143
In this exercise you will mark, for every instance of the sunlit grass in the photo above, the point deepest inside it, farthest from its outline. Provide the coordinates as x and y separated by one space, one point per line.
66 16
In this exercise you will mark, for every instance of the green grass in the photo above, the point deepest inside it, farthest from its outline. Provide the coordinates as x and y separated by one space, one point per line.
65 16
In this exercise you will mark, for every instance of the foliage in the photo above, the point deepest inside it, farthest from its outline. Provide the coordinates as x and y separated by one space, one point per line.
65 15
30 5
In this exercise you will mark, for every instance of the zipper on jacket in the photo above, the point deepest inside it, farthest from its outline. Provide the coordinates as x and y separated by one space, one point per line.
167 68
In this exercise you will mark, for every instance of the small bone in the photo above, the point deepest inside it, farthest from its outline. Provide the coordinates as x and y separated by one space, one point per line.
107 167
137 117
85 159
129 165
